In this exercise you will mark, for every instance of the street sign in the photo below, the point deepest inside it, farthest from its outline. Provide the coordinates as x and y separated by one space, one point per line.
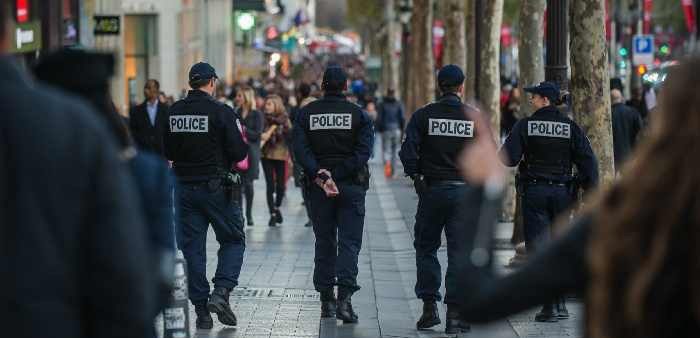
26 37
643 49
107 25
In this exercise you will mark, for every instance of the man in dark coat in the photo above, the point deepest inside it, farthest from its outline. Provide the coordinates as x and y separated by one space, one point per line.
149 120
626 124
71 242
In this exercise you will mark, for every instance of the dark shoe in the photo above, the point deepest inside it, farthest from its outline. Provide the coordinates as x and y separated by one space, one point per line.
218 303
328 304
454 324
345 312
278 216
562 312
249 221
309 224
430 316
273 221
547 314
204 320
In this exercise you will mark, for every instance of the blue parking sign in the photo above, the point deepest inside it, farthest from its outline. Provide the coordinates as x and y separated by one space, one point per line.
643 49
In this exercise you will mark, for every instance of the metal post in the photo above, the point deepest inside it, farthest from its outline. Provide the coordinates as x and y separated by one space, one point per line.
478 13
555 68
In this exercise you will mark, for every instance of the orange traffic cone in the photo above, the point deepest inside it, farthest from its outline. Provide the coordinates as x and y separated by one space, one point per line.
387 169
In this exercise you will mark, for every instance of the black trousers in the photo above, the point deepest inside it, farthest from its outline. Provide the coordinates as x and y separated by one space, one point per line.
274 179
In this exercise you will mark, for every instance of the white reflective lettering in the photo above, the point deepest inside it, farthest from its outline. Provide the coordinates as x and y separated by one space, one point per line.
548 129
189 124
453 128
330 121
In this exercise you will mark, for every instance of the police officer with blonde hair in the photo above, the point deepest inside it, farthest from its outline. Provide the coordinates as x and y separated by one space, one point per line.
545 147
435 136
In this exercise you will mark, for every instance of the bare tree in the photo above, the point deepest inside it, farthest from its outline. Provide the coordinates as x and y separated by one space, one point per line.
530 48
470 70
489 74
390 64
456 33
590 82
421 72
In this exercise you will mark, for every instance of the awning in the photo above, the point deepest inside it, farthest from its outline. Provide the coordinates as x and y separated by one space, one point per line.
249 5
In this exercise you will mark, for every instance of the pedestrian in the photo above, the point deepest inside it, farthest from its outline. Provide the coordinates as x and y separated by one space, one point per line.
299 174
150 172
509 113
632 254
390 123
545 147
626 125
332 143
435 135
371 110
72 240
204 141
253 123
148 121
275 153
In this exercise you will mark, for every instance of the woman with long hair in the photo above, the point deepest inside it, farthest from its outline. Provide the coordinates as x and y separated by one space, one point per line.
275 153
635 251
253 122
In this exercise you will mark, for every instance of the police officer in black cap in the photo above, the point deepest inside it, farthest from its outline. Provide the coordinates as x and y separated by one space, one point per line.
203 141
332 142
435 136
545 147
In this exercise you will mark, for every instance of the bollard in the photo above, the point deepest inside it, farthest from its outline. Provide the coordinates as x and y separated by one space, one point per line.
176 318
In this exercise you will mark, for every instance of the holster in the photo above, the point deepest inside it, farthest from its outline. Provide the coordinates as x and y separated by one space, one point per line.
362 177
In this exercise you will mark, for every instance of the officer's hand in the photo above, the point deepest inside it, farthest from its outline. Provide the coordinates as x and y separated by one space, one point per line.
330 188
479 162
419 184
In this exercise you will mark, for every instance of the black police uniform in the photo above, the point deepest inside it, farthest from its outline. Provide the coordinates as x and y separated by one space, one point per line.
546 146
435 136
335 134
203 141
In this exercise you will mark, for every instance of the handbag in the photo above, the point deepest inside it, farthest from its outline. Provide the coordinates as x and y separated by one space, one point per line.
244 164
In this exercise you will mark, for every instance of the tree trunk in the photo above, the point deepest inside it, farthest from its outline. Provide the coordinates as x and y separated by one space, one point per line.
530 49
390 64
470 70
590 83
422 69
489 74
455 33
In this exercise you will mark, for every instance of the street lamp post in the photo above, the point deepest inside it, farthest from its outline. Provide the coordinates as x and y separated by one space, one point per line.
555 68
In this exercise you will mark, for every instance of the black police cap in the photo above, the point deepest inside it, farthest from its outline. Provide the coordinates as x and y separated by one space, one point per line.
202 71
334 78
546 89
450 76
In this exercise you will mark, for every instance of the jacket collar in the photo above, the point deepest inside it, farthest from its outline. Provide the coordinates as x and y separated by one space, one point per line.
450 98
196 94
334 96
548 110
10 71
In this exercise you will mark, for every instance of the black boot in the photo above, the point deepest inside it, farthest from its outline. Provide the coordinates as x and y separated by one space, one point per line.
430 316
218 303
273 220
204 321
278 216
309 224
453 324
328 304
344 309
547 314
562 312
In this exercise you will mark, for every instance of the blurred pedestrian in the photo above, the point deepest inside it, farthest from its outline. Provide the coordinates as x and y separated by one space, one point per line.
633 253
333 144
150 172
390 123
72 240
148 121
253 123
299 174
204 141
509 113
626 125
546 146
435 136
275 153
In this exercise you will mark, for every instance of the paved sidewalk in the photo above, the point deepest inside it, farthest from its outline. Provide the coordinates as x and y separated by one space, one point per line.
276 297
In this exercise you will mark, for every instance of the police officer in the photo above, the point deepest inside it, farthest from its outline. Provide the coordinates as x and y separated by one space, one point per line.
435 136
332 142
203 141
545 146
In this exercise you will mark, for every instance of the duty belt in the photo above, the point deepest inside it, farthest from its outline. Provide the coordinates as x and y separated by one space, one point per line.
437 181
547 182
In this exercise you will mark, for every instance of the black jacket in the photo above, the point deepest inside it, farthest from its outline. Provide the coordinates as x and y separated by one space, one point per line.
72 240
626 124
146 135
390 115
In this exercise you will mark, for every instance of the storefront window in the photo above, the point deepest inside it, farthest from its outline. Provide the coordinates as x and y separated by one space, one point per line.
139 48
